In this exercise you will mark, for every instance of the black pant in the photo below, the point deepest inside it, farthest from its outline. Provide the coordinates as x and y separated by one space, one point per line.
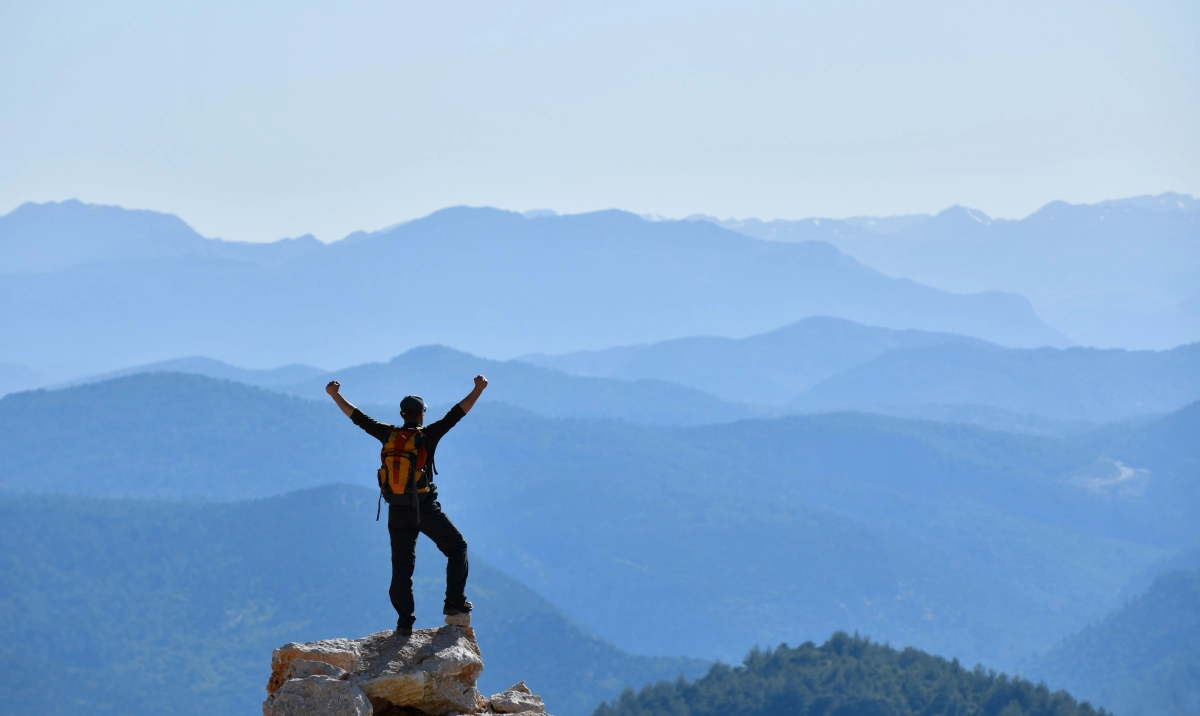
403 529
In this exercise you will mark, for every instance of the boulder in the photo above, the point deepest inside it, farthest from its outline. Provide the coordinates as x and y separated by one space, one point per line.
303 668
432 670
517 699
318 695
342 653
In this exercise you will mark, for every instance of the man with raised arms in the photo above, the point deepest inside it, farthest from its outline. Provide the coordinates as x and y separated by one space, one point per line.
406 482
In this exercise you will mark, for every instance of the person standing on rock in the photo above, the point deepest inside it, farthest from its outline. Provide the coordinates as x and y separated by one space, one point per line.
406 482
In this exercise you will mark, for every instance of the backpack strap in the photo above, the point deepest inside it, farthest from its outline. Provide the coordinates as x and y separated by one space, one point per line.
418 446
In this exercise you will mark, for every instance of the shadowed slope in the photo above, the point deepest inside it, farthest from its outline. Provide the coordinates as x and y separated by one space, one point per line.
113 602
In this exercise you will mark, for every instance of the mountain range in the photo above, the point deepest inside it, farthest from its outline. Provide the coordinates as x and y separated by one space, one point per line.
963 541
813 365
700 488
490 282
771 368
823 364
1119 273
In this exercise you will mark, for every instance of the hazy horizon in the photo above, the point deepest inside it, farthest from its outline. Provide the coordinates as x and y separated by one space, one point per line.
269 120
545 210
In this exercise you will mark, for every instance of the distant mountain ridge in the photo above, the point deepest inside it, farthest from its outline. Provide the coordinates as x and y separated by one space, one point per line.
1117 273
769 369
442 376
1072 384
59 235
487 281
814 365
199 365
699 381
826 364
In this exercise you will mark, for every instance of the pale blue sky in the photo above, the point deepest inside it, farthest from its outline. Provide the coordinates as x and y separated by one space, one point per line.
257 120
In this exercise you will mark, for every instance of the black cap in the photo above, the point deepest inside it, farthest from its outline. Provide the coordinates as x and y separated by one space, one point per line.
412 405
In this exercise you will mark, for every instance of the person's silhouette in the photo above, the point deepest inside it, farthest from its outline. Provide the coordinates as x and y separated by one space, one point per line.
417 511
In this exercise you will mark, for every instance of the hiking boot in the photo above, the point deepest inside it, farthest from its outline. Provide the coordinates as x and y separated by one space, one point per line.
403 630
462 608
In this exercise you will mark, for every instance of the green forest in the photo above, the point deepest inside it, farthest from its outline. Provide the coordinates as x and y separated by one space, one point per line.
1143 658
846 676
111 605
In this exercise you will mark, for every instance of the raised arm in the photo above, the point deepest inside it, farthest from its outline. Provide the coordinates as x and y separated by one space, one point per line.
469 402
332 388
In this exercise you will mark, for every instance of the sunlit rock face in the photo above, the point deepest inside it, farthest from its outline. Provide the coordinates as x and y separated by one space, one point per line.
431 671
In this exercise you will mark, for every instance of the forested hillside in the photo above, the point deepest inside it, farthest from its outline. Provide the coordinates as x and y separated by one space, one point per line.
961 541
112 606
846 676
1141 660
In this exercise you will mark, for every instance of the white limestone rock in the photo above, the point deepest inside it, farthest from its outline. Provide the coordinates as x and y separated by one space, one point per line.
434 670
303 668
342 653
318 695
517 699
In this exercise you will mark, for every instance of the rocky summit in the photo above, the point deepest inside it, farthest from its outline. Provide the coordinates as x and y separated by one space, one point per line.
431 672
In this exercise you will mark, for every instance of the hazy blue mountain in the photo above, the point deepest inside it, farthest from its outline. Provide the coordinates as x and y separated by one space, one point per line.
58 235
487 281
1163 453
768 369
991 418
1187 559
17 377
442 376
167 435
1112 274
951 379
199 365
821 364
107 604
1142 659
700 540
856 231
1076 384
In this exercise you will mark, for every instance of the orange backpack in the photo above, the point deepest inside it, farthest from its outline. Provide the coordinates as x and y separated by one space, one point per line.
404 470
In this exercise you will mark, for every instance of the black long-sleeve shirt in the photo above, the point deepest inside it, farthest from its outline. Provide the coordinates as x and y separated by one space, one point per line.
433 433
